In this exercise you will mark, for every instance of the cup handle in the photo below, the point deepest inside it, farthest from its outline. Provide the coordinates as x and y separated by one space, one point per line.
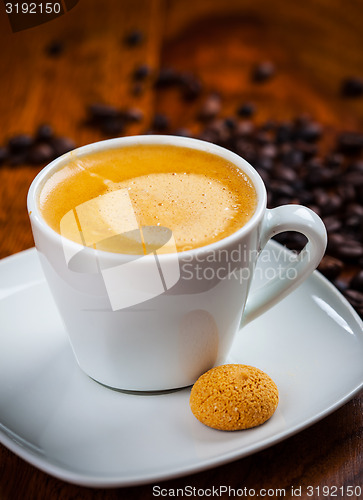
277 220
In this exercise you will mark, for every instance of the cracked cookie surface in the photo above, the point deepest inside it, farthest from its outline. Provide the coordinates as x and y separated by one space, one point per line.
233 397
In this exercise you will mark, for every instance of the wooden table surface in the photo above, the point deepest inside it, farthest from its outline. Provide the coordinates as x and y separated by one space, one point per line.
314 45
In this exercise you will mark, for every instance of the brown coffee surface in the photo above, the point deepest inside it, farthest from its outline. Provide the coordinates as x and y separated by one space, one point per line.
137 199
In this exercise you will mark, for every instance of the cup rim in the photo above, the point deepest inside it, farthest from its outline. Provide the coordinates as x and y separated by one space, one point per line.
171 140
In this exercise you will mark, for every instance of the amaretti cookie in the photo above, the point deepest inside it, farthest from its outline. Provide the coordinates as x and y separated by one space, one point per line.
232 397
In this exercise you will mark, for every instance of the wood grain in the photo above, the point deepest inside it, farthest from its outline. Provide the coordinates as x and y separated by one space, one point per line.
314 45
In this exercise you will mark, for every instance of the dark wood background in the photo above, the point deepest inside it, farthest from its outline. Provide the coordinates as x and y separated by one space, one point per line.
314 45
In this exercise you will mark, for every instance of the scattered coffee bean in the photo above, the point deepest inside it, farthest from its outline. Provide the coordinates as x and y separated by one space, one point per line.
183 132
40 153
349 251
350 143
332 223
191 87
44 133
20 143
330 267
134 38
341 285
141 72
99 112
284 174
55 48
246 110
352 87
309 132
230 123
133 115
211 107
62 145
167 77
284 133
160 122
17 159
3 155
137 89
263 72
357 281
355 297
356 166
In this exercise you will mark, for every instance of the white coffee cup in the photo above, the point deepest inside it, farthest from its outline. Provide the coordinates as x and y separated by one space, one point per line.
159 321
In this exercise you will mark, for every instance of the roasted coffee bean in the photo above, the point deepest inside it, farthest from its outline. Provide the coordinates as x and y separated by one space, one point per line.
313 207
350 143
332 224
100 112
263 72
355 297
357 281
354 179
246 110
284 133
268 126
305 197
44 133
134 38
352 87
329 203
20 143
244 129
354 210
294 158
330 267
220 131
346 192
268 151
284 174
296 241
245 149
191 87
264 163
183 132
263 173
16 159
112 126
167 77
262 138
230 123
55 48
3 155
341 285
40 153
309 132
349 251
160 122
280 189
356 166
137 89
141 72
208 136
307 149
336 240
133 115
334 160
318 176
62 145
211 107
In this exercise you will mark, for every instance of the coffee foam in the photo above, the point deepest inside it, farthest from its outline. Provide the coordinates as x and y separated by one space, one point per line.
195 207
151 198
